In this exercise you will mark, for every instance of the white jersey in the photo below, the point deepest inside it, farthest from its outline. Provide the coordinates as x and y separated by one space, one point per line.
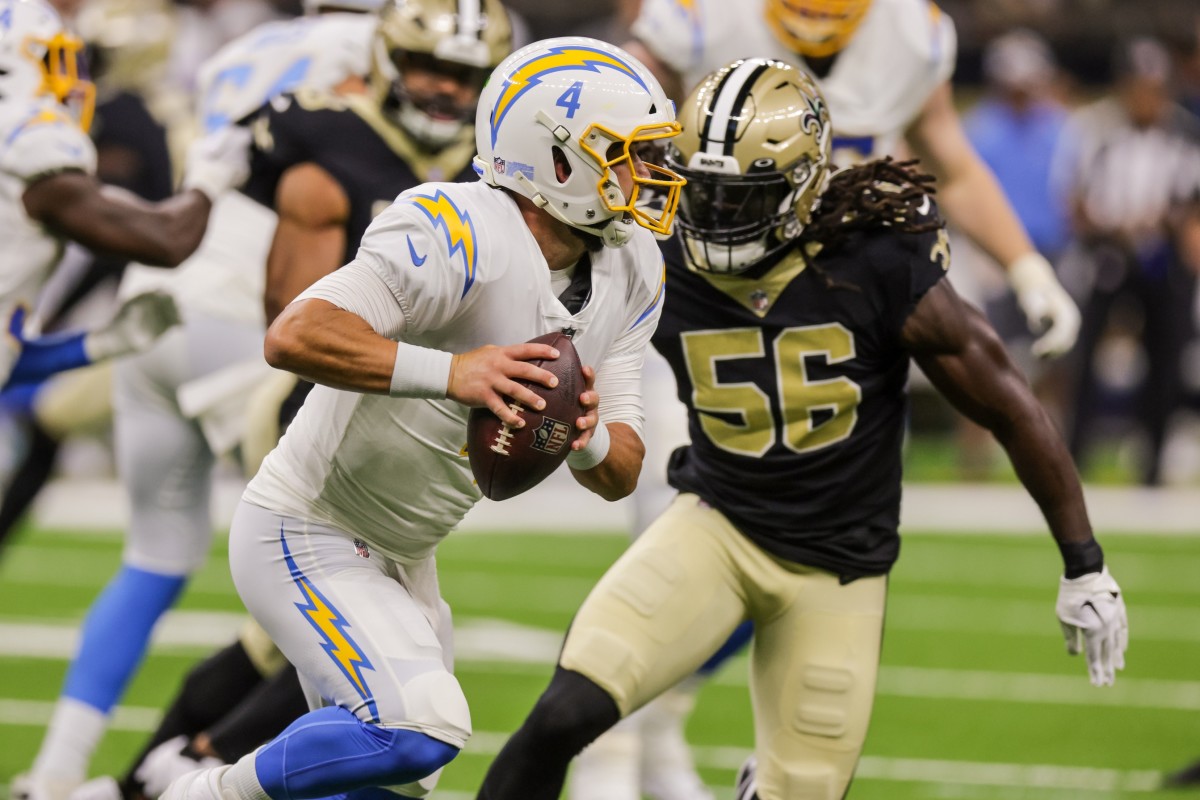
37 138
225 277
900 53
466 272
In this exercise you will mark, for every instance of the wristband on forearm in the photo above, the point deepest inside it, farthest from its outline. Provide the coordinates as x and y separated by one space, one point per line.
594 452
420 372
1081 558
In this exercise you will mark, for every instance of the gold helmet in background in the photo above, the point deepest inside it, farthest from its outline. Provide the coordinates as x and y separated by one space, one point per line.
129 41
755 153
815 28
436 43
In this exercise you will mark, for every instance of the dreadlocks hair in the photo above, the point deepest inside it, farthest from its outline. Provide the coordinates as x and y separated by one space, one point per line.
884 193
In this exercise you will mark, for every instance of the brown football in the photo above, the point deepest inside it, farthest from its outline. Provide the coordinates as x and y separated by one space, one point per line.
508 461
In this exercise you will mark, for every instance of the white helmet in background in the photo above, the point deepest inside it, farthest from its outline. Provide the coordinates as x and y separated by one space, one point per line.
39 57
593 104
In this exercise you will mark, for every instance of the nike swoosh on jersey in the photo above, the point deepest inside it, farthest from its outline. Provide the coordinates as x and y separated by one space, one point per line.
412 251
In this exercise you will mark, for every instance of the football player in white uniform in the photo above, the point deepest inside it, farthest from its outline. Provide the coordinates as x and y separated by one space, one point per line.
163 455
326 162
49 194
884 67
332 546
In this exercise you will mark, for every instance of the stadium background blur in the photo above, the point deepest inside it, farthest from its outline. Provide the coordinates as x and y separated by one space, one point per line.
976 699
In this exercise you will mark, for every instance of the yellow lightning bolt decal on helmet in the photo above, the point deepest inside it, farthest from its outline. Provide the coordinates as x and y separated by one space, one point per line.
332 627
457 227
556 59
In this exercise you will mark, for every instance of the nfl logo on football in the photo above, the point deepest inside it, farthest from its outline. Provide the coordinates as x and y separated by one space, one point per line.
551 436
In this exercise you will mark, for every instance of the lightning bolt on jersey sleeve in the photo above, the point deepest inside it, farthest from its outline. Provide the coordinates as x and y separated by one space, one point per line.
42 140
424 248
314 52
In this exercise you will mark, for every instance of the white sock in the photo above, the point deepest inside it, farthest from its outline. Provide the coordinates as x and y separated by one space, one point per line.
608 768
72 736
240 782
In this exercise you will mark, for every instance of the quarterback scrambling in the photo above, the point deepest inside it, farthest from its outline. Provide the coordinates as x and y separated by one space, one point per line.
794 308
332 547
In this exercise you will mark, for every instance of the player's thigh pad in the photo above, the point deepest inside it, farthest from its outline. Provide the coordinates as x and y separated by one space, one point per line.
814 664
78 401
662 609
345 618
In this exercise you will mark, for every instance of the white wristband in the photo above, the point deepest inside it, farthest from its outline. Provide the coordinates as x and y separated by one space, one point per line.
1031 271
594 452
420 372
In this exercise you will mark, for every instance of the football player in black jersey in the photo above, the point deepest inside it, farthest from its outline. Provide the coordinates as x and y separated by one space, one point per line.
326 163
795 301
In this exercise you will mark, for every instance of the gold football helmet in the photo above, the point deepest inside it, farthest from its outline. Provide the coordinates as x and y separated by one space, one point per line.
815 28
755 153
453 45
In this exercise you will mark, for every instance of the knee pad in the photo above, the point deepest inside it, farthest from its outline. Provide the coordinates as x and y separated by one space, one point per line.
434 703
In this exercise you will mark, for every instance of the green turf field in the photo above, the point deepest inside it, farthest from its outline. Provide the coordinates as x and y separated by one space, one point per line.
976 698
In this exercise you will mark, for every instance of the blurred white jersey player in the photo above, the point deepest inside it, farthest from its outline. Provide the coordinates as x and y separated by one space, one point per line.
911 42
183 403
46 104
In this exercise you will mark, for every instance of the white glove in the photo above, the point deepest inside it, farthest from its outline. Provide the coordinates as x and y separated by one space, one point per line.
219 161
136 326
1046 304
1092 614
167 762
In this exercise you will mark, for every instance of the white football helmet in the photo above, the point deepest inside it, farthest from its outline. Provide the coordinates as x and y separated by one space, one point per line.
595 105
40 57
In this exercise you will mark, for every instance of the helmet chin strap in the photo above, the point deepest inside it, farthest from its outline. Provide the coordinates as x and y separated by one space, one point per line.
614 232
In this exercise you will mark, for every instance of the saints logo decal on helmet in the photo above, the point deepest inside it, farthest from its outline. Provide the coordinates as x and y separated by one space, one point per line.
755 153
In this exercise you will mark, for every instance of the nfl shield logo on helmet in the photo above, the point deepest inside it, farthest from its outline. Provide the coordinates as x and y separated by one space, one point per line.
498 165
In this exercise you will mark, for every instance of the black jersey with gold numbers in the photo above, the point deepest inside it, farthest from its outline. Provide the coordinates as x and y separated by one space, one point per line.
371 158
797 394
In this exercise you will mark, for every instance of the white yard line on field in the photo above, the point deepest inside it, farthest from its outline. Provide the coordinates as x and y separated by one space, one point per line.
483 644
879 768
560 506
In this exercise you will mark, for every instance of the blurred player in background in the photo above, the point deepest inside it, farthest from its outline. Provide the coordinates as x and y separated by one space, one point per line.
49 194
790 327
332 546
884 66
131 153
326 162
164 453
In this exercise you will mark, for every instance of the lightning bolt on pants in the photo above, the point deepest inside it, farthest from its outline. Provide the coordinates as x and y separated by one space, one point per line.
371 638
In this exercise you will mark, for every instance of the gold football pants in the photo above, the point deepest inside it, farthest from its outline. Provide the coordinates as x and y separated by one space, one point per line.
677 594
